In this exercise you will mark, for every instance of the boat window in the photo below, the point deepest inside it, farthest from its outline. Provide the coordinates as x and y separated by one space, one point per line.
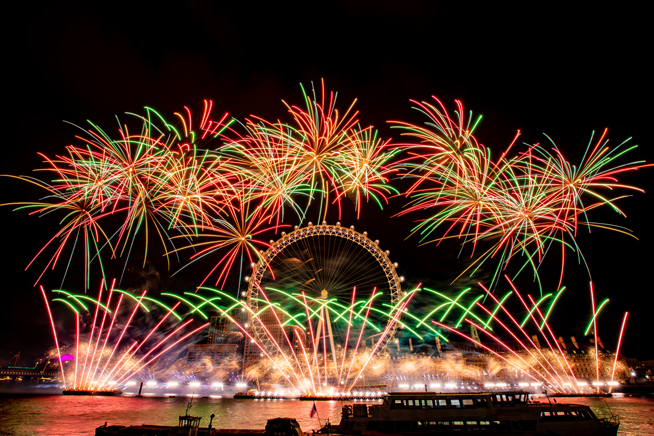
498 425
472 425
468 403
575 416
484 425
455 404
398 404
457 426
442 403
498 398
430 404
482 402
587 415
546 416
443 425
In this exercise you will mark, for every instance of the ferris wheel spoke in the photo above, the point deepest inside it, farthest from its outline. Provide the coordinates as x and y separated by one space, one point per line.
329 289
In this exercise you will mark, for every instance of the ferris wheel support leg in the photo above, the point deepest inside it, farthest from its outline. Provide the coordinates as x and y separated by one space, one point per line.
315 352
331 341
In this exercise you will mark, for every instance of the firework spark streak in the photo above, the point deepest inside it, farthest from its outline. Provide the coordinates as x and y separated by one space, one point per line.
220 186
99 364
525 203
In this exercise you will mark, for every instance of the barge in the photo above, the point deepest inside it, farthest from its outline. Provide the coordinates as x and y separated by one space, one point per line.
104 393
582 395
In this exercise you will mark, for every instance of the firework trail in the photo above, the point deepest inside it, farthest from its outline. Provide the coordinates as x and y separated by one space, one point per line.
522 205
112 347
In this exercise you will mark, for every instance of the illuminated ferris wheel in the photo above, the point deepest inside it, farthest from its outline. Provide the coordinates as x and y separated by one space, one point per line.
332 290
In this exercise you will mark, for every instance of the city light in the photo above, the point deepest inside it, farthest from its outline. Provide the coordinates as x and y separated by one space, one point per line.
173 384
194 384
151 383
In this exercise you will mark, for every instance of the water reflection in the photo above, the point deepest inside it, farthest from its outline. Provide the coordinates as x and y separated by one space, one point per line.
60 415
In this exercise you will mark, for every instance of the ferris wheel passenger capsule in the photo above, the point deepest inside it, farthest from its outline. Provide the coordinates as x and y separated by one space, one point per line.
402 279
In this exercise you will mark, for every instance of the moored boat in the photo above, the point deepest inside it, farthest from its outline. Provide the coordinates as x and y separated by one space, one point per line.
107 392
471 413
582 395
190 426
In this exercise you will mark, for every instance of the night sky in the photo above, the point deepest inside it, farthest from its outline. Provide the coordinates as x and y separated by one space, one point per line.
563 72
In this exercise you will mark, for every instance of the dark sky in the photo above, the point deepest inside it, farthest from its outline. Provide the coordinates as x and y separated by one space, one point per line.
561 71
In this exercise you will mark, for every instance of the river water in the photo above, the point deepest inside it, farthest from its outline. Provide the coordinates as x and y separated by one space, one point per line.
65 415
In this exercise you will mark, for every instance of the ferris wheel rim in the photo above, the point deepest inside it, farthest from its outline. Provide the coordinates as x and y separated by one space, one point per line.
324 229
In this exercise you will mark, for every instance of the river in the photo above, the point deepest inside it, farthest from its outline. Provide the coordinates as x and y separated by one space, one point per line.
65 415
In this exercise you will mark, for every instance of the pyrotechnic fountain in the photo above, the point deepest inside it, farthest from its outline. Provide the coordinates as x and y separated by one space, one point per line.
104 360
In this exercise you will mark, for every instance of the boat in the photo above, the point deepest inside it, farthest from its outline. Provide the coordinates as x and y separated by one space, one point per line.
375 396
253 394
582 395
249 395
471 413
104 393
190 426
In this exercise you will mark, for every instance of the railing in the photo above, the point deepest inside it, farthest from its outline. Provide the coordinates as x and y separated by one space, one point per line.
610 419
